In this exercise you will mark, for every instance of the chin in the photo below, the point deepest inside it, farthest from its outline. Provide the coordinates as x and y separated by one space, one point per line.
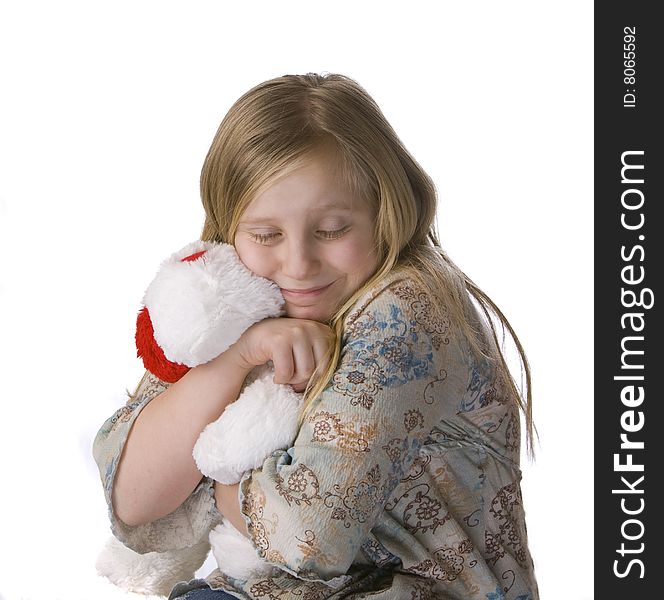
312 313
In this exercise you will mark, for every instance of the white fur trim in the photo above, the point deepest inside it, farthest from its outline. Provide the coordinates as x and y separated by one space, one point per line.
199 308
152 573
235 554
263 419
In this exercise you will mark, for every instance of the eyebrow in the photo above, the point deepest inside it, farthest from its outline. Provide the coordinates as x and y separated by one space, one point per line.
323 208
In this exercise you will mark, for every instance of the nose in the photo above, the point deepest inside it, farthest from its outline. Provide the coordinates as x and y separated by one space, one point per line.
300 262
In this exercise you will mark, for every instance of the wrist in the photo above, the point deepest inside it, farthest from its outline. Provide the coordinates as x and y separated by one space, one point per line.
234 357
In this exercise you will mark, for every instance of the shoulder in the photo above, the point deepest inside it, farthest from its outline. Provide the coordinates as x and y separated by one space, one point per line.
399 297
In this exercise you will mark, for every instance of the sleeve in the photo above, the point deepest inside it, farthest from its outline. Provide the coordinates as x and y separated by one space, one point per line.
182 528
309 509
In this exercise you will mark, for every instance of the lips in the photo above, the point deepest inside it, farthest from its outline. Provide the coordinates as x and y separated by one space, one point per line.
315 289
305 293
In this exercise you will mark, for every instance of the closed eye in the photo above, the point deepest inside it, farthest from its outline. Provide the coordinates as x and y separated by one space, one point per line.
263 238
266 238
333 235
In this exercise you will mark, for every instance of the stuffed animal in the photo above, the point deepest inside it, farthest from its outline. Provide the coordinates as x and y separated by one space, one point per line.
201 301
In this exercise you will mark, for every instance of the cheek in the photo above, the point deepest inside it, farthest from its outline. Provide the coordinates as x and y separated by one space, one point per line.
254 258
355 257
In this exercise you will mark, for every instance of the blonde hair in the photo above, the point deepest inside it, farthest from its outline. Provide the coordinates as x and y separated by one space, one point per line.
274 127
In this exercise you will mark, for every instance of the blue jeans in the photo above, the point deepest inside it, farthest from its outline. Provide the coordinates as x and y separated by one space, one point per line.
197 589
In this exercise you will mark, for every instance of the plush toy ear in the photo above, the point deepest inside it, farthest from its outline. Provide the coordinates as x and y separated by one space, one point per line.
153 356
200 302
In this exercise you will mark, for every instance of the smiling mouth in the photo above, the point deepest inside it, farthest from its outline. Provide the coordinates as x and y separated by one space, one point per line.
304 291
308 293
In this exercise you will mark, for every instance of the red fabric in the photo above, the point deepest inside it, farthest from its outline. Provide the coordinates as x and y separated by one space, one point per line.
193 256
153 356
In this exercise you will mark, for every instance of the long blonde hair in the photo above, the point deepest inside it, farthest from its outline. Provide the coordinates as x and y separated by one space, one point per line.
274 127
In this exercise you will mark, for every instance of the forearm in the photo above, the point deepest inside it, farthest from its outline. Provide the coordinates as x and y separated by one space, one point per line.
229 506
157 472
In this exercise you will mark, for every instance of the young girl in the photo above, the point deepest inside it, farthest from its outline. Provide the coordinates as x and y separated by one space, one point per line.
403 480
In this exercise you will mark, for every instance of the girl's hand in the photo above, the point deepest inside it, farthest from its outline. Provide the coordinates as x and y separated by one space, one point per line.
296 347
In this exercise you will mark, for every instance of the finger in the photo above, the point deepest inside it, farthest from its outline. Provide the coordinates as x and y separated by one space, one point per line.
305 363
322 350
282 359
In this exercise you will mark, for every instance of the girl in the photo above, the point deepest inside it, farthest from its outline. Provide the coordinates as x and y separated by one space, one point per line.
403 480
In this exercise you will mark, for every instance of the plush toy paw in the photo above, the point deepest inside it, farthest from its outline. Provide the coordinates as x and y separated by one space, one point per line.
263 419
152 573
235 554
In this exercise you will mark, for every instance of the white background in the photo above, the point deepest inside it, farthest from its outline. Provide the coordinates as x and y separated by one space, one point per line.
107 110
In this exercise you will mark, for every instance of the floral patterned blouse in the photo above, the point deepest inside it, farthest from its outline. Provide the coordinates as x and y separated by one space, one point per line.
402 483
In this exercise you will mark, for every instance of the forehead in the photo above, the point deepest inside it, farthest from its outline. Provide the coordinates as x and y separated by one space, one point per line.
313 188
261 212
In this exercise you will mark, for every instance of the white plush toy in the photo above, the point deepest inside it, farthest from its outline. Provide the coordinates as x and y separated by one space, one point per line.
201 301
